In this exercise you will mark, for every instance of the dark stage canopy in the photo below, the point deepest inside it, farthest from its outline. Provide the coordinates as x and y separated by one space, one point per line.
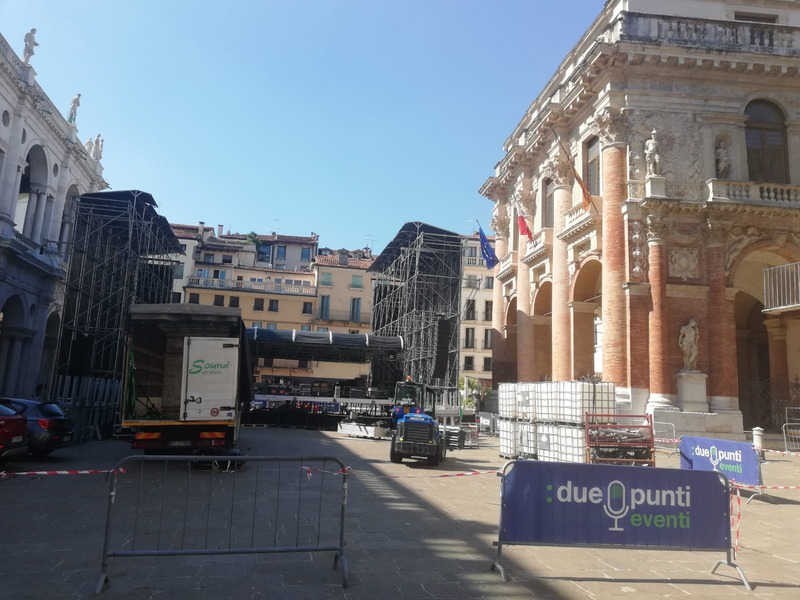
321 346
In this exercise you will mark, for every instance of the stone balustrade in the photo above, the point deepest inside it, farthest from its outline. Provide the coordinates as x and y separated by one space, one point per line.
750 192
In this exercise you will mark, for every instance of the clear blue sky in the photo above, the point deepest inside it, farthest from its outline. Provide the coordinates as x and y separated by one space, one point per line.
343 117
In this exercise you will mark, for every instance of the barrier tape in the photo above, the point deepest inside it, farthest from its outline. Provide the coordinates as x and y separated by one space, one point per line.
349 470
765 487
736 519
4 474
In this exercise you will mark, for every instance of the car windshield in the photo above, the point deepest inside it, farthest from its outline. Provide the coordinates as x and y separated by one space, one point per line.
48 409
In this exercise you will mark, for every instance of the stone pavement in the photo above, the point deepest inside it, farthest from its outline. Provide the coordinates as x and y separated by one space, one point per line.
410 533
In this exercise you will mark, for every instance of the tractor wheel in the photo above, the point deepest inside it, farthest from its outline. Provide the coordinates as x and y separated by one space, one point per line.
394 456
434 460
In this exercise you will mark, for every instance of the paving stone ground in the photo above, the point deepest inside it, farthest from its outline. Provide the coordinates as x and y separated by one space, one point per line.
410 534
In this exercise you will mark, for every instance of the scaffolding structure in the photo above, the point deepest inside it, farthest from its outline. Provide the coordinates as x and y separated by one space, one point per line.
416 295
121 252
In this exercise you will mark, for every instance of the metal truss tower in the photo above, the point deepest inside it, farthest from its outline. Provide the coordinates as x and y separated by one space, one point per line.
416 295
121 252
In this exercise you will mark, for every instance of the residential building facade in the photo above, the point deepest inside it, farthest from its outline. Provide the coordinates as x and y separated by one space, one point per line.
682 121
477 298
43 166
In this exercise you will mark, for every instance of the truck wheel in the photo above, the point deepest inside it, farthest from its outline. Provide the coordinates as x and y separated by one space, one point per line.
434 460
394 456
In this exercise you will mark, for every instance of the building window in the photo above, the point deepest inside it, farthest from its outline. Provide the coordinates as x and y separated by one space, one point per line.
471 252
305 327
487 339
471 281
487 310
219 300
305 254
489 283
355 310
257 324
469 363
469 337
487 363
194 298
272 326
178 271
183 247
265 253
469 310
325 279
357 282
322 329
233 301
307 309
765 133
227 259
258 304
176 297
281 252
273 306
202 273
549 203
754 18
324 307
208 257
593 166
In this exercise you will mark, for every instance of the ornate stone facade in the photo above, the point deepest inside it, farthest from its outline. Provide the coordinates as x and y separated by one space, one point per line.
682 222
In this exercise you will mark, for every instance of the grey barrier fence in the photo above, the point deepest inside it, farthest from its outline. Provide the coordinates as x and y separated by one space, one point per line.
162 506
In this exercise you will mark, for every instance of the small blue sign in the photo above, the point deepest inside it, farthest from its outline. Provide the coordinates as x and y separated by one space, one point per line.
604 505
736 460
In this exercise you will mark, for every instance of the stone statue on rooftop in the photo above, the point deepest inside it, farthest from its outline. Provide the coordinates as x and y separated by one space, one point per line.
96 148
30 43
73 109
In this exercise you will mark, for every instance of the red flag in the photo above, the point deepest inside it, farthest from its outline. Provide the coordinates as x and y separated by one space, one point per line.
523 227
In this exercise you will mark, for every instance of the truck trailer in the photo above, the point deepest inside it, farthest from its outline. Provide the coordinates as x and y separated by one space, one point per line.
187 378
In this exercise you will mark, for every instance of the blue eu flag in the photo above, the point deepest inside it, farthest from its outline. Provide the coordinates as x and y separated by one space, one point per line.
486 250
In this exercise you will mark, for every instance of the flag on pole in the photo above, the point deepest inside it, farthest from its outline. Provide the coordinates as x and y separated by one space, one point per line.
523 227
587 195
487 251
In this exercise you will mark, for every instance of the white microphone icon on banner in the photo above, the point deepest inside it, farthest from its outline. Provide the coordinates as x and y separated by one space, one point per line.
616 507
713 457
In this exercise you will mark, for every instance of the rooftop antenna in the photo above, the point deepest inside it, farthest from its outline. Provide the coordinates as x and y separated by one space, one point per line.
277 228
370 240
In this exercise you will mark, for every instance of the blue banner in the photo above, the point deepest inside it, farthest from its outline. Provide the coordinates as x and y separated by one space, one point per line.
604 505
736 460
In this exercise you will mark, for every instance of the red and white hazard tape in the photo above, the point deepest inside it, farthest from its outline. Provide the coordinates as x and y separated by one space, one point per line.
784 452
667 440
765 487
736 519
70 472
309 470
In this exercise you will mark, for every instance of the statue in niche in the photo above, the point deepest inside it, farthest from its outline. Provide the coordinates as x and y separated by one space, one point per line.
689 340
723 161
651 155
30 44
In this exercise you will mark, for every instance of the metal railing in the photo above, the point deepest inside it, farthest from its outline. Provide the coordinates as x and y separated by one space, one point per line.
193 506
782 287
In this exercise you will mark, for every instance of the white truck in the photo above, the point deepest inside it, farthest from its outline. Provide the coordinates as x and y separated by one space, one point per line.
187 378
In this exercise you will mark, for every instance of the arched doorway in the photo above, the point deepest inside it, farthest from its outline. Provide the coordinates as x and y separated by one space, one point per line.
29 215
542 310
585 313
765 363
13 333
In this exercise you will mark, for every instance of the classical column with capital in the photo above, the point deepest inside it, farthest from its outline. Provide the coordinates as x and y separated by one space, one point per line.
614 173
657 274
561 330
525 350
500 226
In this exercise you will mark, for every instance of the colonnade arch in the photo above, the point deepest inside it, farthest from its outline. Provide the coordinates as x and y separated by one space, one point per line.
585 318
542 309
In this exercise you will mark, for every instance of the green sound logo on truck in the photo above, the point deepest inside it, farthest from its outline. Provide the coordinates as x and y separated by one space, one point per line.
201 367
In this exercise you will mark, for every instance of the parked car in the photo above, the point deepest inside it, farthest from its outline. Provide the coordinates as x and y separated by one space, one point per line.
13 439
48 426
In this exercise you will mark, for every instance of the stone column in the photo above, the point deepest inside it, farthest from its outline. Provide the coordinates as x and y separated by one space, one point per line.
38 216
778 364
12 372
525 349
638 298
5 345
612 126
27 225
500 225
657 274
723 382
561 331
582 316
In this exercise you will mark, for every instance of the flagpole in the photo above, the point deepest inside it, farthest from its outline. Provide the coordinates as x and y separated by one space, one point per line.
584 190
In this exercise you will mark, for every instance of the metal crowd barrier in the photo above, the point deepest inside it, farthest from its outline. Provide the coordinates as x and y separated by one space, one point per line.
189 506
791 437
665 437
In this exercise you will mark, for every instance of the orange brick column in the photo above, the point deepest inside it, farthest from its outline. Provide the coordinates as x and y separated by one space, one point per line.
659 361
560 322
638 297
723 382
499 354
778 365
614 312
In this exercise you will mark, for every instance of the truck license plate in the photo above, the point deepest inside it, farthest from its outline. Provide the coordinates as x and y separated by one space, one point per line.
181 443
16 439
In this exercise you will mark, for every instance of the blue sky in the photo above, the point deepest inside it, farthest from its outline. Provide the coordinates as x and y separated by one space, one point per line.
343 117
